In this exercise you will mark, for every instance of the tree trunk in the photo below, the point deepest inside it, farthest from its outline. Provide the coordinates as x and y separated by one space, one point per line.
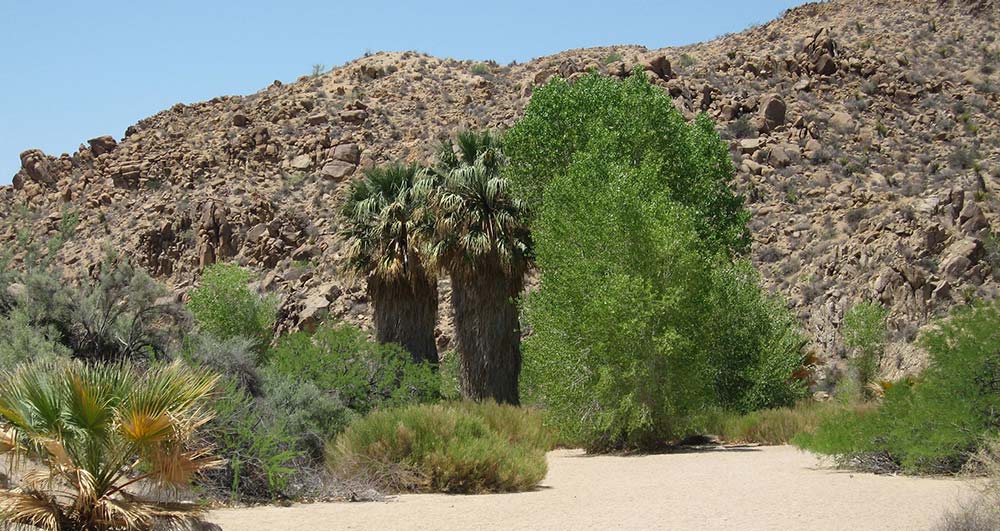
405 312
488 333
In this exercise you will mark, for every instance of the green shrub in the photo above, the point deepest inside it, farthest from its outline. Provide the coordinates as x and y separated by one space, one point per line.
644 322
634 124
453 448
935 423
225 307
362 374
864 332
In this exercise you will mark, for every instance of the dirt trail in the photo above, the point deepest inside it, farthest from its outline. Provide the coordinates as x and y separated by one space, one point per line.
747 489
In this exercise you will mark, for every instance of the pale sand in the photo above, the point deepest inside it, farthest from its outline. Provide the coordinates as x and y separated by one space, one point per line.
754 488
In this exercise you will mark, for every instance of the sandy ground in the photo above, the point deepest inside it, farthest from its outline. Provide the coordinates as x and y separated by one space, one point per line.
747 489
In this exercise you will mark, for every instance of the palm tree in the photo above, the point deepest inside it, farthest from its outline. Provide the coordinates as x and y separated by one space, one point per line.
385 221
98 429
480 239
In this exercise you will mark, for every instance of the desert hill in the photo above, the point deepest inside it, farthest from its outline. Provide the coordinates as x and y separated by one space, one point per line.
865 135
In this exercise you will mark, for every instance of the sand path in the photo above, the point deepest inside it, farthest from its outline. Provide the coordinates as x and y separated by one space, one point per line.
747 489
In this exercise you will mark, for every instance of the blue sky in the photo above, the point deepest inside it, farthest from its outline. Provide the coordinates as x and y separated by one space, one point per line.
73 70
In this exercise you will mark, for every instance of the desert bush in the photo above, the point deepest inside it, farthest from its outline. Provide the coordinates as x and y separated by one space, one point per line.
120 314
864 331
449 447
20 342
259 450
225 306
982 513
362 374
314 416
644 320
935 423
98 429
235 357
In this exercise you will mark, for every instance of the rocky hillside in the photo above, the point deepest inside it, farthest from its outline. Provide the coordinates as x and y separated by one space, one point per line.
865 133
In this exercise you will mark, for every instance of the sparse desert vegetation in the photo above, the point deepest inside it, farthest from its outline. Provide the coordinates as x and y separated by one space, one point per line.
411 276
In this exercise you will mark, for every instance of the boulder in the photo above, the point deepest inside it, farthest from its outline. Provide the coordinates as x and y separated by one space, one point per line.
347 153
102 144
660 66
301 162
356 116
772 113
337 170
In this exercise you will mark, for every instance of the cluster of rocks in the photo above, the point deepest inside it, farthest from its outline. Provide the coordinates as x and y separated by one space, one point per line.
853 135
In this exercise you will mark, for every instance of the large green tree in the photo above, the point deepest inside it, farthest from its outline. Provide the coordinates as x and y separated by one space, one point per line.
480 240
646 317
634 124
385 221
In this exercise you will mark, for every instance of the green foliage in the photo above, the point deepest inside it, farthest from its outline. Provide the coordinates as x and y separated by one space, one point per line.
480 69
362 374
935 423
642 323
628 126
385 220
95 429
453 448
864 331
225 307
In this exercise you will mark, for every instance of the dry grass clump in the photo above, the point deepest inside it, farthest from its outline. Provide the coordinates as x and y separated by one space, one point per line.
982 513
773 426
450 447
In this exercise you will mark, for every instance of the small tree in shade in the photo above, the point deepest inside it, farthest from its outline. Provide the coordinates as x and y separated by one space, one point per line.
479 238
385 222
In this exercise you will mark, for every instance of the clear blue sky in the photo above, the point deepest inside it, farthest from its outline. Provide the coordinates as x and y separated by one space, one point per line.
74 70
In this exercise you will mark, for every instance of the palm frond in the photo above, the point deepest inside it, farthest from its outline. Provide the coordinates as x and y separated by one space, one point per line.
31 508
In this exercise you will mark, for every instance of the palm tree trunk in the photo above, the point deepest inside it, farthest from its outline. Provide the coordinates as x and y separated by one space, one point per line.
405 312
488 333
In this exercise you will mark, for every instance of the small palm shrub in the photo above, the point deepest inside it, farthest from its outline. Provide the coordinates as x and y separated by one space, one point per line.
934 423
448 447
97 430
361 374
225 306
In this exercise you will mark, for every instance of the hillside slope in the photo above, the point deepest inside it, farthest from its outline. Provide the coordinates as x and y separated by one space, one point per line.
865 134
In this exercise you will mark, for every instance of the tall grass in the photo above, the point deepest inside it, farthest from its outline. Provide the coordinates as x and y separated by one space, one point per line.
774 426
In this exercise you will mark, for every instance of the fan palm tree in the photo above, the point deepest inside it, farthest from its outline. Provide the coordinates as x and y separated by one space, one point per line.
385 222
98 429
480 239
